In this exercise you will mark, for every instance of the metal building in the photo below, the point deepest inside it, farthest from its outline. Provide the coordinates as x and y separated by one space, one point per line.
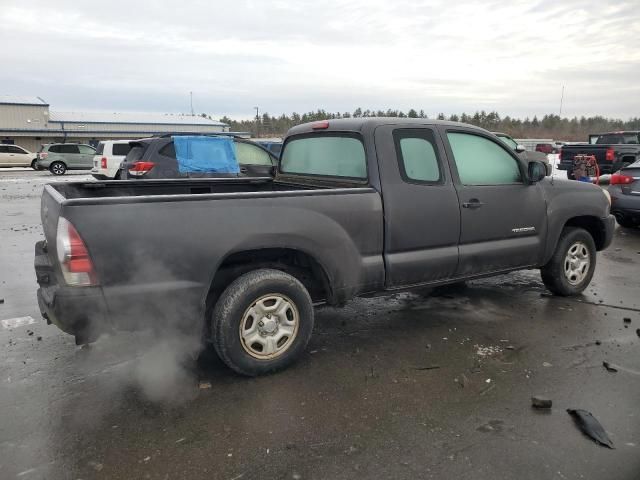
28 122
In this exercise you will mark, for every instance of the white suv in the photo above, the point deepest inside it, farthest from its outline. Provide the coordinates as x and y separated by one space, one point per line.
109 155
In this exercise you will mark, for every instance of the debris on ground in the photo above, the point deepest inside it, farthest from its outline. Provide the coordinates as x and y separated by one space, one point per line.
96 466
611 367
1 300
29 332
39 339
638 331
598 342
590 427
626 320
547 364
541 402
428 367
488 351
205 385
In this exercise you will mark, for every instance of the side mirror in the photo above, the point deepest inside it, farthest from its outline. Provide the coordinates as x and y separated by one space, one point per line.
520 148
537 170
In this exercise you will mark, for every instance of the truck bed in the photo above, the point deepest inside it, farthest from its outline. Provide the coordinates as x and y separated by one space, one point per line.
169 187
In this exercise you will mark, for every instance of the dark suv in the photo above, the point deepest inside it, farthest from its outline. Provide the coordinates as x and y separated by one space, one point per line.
154 158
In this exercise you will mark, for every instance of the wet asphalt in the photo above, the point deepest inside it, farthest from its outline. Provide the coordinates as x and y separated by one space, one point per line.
428 384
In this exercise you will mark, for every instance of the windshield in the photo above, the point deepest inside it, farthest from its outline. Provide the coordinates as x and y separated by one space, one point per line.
331 155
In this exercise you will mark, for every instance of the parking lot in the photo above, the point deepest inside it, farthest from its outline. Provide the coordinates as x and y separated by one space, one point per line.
427 384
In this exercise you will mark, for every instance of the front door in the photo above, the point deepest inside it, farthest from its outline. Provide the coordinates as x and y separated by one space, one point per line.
421 209
503 216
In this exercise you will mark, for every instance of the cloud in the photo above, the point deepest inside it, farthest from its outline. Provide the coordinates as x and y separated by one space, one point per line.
301 55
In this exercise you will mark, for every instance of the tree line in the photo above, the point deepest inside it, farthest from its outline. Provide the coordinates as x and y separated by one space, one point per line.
549 126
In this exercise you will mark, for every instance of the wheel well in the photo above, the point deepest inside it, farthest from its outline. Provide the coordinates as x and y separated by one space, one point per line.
628 159
592 225
294 262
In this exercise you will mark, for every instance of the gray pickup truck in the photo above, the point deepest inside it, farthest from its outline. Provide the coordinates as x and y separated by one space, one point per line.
357 207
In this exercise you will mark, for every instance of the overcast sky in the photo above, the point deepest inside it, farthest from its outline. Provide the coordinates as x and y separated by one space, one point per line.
296 55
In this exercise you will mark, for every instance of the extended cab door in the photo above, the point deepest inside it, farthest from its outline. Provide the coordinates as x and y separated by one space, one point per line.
421 208
503 216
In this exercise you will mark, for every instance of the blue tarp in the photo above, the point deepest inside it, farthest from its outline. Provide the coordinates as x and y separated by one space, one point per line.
206 154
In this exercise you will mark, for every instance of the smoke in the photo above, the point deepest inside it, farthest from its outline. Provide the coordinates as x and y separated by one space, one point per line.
165 373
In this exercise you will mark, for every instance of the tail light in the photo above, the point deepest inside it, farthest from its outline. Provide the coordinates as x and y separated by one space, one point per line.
75 262
322 125
138 169
610 156
103 162
43 155
617 179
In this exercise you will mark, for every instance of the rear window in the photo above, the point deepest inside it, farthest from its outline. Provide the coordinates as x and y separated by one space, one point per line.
121 149
614 139
328 155
100 149
137 151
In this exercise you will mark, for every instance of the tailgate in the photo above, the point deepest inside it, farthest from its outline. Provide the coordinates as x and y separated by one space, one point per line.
568 153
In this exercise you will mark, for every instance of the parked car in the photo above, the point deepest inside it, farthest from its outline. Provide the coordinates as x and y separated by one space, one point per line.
109 155
155 158
624 188
272 146
613 151
523 153
546 148
243 260
15 156
60 157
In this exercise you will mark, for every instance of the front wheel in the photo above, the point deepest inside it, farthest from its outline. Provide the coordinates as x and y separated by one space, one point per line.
34 164
58 168
571 267
262 322
625 222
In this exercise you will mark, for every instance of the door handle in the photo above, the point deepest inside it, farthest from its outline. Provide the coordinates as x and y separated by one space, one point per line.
473 203
243 170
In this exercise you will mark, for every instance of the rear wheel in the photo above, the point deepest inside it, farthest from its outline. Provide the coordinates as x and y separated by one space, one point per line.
58 168
262 322
571 267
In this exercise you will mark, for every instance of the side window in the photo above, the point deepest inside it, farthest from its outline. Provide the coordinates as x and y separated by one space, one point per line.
100 149
4 149
121 149
69 149
417 157
86 150
481 161
248 154
55 149
168 150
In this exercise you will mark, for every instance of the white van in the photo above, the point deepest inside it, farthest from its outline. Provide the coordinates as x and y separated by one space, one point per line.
15 156
109 155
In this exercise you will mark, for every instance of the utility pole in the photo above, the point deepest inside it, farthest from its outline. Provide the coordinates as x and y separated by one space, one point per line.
191 97
561 99
257 121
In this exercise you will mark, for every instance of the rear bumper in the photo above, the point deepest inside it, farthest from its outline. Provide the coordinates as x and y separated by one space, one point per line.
81 312
78 311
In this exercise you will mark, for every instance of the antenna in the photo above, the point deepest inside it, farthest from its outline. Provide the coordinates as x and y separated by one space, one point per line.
191 96
561 99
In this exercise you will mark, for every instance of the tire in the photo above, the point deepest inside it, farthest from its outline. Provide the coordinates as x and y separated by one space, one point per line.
566 273
625 221
252 341
118 176
58 168
34 164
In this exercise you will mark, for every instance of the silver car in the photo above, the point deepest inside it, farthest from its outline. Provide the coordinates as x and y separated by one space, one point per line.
624 188
60 157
